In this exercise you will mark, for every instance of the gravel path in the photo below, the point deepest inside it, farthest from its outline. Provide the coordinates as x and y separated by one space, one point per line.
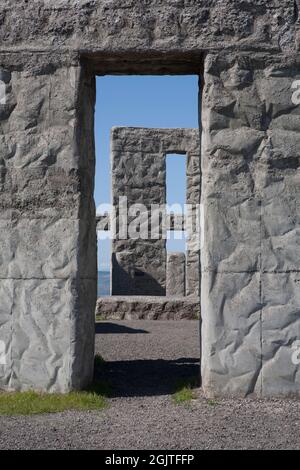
143 361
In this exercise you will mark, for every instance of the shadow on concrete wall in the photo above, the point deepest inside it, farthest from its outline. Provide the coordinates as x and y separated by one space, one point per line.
133 281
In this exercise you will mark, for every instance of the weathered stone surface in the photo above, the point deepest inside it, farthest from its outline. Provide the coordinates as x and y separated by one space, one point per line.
148 308
280 334
43 324
49 53
52 239
193 270
250 258
111 26
139 267
231 334
6 330
193 228
175 275
48 230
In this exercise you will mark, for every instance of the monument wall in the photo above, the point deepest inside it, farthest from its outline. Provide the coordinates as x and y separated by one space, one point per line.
247 54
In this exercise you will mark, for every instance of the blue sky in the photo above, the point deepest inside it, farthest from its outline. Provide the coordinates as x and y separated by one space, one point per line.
151 101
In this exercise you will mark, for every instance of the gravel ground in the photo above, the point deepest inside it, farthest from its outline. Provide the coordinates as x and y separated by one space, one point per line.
144 360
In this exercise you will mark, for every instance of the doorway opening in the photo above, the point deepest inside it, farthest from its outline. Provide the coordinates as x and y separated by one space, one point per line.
144 127
154 102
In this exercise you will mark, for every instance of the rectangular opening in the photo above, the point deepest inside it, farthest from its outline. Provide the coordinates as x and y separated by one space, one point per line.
141 101
176 199
149 102
176 241
176 180
104 283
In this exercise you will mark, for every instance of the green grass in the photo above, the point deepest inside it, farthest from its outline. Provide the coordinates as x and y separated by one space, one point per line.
99 360
99 318
211 402
33 403
184 390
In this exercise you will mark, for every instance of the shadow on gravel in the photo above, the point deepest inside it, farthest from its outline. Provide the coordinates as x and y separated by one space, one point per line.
140 378
112 328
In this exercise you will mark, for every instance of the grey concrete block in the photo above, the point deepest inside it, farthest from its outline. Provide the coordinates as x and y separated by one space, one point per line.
231 334
42 338
48 334
232 234
281 334
47 224
139 173
106 27
193 273
250 252
55 242
148 308
6 331
280 233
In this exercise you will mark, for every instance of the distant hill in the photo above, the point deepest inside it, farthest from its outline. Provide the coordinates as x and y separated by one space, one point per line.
103 283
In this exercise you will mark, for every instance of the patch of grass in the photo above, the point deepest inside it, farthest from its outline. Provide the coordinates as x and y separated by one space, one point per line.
99 318
99 360
184 390
33 403
195 316
211 402
100 388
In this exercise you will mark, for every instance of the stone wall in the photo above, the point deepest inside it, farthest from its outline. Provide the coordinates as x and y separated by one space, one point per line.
47 229
251 256
131 26
139 266
148 308
49 53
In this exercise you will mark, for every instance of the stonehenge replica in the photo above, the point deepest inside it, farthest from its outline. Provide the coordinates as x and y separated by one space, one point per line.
247 56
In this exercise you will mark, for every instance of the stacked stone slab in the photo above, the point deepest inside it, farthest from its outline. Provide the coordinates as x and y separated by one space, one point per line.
148 308
248 55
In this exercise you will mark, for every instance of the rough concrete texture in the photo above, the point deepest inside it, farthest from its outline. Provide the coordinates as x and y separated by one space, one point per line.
49 54
139 173
175 275
250 257
191 26
148 308
193 228
47 230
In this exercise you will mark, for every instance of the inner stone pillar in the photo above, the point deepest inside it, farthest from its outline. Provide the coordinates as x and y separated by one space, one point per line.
139 174
176 274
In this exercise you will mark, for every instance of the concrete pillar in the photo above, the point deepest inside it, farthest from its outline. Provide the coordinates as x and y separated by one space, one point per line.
251 255
193 232
47 227
176 275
